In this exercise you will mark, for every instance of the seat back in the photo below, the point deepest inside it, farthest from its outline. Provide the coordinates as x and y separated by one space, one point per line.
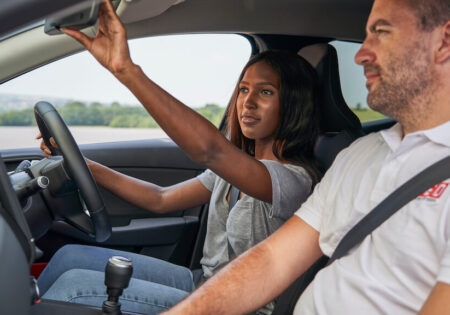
339 125
339 128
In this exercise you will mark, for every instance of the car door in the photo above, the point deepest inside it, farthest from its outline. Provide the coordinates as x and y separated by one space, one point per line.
124 142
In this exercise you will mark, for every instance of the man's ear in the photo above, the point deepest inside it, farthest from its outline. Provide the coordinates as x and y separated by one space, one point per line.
443 51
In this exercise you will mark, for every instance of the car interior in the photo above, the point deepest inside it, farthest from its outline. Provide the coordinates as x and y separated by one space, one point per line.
34 227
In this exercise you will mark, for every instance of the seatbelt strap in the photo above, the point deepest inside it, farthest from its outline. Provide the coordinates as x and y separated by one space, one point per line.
417 185
234 196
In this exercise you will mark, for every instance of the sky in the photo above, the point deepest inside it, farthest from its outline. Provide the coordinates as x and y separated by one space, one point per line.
197 69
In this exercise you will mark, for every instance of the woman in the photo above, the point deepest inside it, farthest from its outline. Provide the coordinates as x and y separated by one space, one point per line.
272 127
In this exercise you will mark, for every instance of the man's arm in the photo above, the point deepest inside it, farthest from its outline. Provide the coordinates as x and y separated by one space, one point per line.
257 276
438 302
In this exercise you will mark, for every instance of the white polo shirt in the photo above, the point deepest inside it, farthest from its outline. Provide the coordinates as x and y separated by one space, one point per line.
394 269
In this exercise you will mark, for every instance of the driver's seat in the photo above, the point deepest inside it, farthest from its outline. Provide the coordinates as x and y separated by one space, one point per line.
339 125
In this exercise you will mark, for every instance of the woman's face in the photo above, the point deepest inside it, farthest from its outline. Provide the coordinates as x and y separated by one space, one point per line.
258 101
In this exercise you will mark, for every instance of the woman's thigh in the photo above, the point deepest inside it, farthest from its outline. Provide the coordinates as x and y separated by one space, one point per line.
95 258
87 287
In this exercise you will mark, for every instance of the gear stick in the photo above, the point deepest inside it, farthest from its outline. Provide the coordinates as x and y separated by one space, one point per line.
118 272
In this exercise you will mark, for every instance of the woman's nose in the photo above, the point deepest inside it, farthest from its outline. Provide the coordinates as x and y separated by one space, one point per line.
250 100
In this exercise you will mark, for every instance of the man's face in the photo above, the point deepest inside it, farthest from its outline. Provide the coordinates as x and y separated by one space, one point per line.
396 58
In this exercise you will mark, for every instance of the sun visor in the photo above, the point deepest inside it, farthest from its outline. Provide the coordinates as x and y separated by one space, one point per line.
136 10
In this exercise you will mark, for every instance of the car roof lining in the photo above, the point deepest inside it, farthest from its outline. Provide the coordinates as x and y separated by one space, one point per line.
343 19
281 24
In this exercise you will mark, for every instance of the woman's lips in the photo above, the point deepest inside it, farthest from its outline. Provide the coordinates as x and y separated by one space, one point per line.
249 120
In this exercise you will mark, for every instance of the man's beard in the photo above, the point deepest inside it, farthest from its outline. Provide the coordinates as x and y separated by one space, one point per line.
402 81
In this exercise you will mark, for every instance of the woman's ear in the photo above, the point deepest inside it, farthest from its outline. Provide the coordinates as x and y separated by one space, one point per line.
443 52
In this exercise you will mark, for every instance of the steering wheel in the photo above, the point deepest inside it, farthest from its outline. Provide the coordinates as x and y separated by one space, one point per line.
51 124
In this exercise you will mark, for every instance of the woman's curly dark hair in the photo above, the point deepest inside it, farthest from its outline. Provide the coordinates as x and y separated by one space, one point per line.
298 125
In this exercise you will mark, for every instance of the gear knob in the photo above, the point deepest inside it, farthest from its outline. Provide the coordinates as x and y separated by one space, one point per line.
118 272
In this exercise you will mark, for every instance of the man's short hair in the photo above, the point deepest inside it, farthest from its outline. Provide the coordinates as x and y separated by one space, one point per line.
431 13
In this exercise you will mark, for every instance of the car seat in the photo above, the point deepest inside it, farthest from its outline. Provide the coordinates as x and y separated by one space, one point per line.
339 128
339 125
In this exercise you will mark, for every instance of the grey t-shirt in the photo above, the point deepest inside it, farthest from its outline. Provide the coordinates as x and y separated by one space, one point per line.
251 220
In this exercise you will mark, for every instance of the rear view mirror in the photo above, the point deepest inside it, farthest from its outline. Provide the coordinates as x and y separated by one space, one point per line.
77 21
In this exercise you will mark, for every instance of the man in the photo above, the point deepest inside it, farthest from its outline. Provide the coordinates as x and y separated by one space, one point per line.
403 267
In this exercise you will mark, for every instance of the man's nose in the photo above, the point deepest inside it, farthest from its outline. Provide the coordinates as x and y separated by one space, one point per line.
365 54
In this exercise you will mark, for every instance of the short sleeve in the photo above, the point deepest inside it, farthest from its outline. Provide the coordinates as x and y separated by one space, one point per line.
444 272
314 208
208 179
310 210
291 185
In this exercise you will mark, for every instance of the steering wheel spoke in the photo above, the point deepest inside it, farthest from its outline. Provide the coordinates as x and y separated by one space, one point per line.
81 222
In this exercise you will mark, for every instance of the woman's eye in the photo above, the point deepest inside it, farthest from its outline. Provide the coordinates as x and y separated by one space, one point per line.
267 92
243 89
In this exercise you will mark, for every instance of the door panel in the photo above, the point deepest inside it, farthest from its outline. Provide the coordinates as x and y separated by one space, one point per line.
170 237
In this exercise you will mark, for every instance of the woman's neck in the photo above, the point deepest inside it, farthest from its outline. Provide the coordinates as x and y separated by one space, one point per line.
264 150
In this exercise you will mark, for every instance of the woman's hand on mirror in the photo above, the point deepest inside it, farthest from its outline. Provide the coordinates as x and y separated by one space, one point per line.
110 46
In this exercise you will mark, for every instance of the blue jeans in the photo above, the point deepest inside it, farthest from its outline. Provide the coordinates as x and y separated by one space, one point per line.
76 274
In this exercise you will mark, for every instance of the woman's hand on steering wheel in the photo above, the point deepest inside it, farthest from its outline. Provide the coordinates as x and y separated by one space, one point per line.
45 150
47 153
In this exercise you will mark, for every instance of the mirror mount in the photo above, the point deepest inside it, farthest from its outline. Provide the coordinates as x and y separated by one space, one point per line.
78 21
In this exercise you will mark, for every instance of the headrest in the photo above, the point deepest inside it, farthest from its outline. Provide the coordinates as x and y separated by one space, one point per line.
336 115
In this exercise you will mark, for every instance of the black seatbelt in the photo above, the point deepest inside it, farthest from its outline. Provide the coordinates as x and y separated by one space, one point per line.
420 183
426 179
234 196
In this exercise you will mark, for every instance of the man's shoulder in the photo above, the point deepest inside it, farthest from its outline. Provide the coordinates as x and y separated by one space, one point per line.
369 138
362 143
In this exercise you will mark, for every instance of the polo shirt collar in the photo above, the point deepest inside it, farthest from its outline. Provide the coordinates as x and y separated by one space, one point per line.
439 134
393 136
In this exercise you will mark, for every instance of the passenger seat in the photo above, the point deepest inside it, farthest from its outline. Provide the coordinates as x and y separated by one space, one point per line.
339 125
339 128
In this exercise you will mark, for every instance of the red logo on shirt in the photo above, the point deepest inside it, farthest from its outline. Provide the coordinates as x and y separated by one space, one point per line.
436 191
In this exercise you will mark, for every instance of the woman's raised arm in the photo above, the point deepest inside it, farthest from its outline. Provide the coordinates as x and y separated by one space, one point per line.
194 134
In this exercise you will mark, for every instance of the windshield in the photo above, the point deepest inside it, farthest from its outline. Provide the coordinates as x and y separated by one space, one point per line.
21 30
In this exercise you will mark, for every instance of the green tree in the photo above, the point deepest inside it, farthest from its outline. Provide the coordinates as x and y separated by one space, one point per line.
23 117
94 116
212 112
75 113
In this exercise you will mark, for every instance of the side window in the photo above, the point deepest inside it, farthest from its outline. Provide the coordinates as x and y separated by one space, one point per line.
199 70
353 81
